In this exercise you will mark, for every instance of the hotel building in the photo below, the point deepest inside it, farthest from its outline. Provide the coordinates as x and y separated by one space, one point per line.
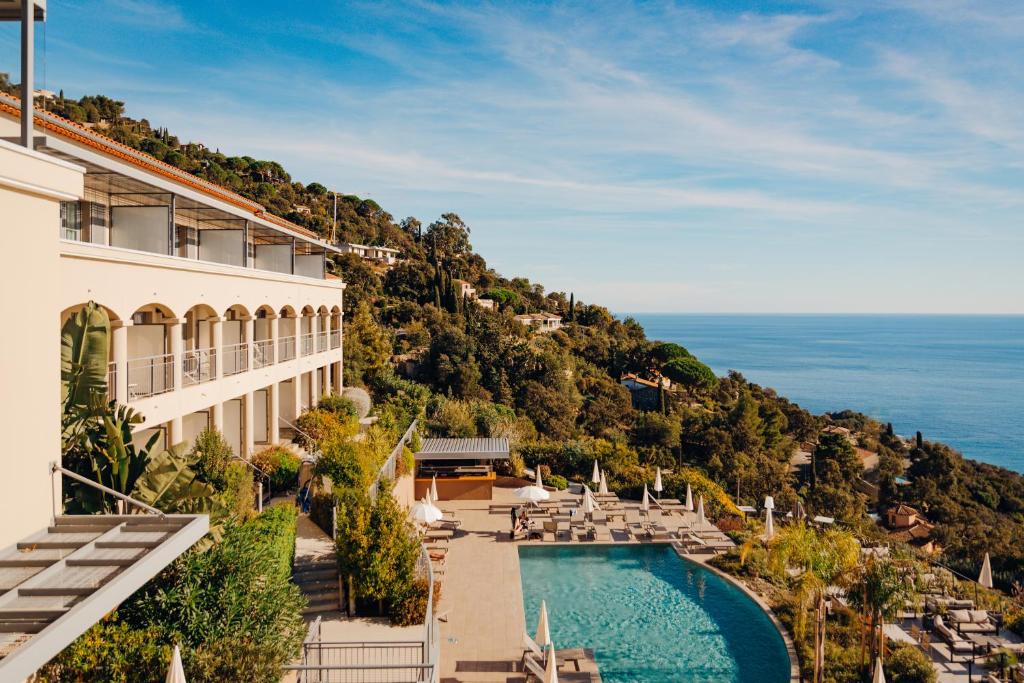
222 314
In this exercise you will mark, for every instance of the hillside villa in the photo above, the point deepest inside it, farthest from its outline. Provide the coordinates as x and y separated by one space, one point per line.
541 321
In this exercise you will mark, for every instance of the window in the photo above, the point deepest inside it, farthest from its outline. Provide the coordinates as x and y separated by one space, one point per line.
71 221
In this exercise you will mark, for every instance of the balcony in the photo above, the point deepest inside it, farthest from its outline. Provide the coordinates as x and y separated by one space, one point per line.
236 358
335 339
198 366
307 343
321 342
262 353
286 348
150 376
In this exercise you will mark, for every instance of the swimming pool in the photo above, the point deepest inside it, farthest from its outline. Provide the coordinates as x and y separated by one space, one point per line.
651 616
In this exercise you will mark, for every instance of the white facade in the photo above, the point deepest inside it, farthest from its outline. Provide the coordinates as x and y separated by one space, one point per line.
221 315
31 189
385 255
542 322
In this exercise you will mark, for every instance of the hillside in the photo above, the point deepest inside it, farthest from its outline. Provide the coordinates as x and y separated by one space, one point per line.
558 395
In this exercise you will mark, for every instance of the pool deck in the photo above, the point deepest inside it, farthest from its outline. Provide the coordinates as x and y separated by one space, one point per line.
481 606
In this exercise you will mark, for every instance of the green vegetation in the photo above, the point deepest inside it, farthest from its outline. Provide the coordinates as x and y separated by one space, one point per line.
232 608
280 464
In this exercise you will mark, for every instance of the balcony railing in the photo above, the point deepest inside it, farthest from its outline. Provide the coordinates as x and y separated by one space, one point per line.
150 376
236 358
335 339
286 349
321 341
262 353
111 381
307 342
198 366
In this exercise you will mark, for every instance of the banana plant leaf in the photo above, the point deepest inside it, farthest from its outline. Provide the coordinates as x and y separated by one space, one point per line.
170 485
84 349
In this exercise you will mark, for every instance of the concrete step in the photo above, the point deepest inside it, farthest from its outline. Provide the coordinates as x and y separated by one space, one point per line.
313 587
304 572
327 604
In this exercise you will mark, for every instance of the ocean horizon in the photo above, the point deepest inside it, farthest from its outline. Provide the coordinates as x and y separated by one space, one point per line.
958 378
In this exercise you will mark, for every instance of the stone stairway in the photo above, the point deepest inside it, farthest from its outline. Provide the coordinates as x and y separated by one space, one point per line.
315 571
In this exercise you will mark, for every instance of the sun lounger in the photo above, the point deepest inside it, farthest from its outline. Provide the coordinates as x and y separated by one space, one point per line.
601 533
563 528
599 516
957 644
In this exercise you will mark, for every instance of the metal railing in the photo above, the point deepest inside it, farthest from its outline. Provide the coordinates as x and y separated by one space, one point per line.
322 341
150 376
236 358
374 662
111 381
198 366
335 339
286 348
262 353
388 469
56 470
306 343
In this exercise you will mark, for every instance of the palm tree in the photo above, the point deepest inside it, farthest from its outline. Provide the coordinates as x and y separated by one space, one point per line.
879 591
813 560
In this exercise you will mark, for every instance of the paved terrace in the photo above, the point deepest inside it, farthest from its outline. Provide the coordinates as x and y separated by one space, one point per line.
481 603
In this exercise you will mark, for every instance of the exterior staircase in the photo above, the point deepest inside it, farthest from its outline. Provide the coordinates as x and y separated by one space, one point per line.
315 570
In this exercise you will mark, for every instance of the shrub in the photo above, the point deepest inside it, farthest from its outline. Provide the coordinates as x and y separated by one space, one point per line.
341 462
238 493
906 664
339 405
558 481
516 464
214 454
411 609
406 462
233 609
280 464
112 651
314 426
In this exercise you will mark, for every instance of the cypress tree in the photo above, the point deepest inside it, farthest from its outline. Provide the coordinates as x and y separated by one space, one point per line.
920 440
661 399
437 296
572 307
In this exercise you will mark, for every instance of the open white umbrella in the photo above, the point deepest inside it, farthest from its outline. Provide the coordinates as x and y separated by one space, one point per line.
985 578
433 488
603 487
176 672
425 513
658 488
645 503
532 494
879 676
543 637
551 670
595 478
689 499
701 521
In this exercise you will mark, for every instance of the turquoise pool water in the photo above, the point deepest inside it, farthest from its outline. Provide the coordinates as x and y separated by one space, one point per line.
651 616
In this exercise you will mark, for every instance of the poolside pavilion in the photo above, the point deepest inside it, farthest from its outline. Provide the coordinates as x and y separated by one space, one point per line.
464 468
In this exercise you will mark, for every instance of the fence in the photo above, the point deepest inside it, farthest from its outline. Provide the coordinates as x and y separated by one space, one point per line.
236 358
388 469
374 662
150 376
262 353
198 366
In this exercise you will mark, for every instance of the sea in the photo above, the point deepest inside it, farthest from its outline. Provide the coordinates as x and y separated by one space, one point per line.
958 379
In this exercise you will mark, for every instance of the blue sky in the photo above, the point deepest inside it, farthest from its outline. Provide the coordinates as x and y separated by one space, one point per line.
720 156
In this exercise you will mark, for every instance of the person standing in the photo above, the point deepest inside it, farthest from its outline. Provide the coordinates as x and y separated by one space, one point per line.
515 521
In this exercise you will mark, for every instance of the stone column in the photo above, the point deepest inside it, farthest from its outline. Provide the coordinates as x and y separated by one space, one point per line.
297 395
249 327
314 389
339 386
248 427
275 412
274 336
327 332
177 345
217 334
119 342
